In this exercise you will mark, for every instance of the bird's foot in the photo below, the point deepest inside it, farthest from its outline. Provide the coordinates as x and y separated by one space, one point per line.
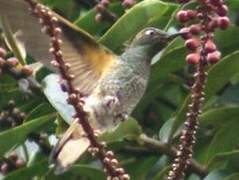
120 117
111 102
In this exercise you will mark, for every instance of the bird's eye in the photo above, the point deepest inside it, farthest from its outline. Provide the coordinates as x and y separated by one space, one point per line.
150 32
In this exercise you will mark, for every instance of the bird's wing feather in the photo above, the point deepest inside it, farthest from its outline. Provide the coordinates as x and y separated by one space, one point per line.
89 59
69 148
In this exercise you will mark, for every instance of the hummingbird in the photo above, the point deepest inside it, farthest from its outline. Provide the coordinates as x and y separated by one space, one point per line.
112 84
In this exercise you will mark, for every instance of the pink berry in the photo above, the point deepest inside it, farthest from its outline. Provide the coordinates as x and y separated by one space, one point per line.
105 3
210 46
192 14
222 10
223 22
186 34
182 16
4 168
99 8
192 44
199 15
27 70
2 62
3 52
216 2
20 163
214 57
195 29
212 25
128 3
12 62
98 17
193 58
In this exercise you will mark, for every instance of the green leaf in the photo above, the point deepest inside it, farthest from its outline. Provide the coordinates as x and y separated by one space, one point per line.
161 174
146 13
88 23
88 171
228 112
29 172
221 158
226 41
169 62
139 168
16 46
222 74
215 175
17 135
225 140
129 129
218 77
234 176
39 111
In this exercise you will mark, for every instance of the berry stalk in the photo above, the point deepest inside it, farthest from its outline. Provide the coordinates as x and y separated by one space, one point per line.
199 36
50 25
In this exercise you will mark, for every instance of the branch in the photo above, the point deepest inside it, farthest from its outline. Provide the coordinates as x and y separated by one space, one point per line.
172 152
107 158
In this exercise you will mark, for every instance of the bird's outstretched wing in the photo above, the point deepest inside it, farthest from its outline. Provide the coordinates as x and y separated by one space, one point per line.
69 148
89 60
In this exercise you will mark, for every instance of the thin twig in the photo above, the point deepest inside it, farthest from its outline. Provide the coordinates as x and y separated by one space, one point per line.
50 22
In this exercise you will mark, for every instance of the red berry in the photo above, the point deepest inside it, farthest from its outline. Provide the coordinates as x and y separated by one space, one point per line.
212 25
192 44
193 58
128 3
192 14
12 62
199 15
99 8
182 16
20 163
105 3
222 10
186 34
216 2
4 168
210 46
195 29
2 62
27 70
223 22
214 57
3 52
98 17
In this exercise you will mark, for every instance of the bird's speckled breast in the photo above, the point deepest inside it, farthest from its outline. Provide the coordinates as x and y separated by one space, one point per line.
127 82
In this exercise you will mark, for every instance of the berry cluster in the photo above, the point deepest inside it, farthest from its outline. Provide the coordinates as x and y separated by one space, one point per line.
7 64
11 163
102 6
210 14
11 116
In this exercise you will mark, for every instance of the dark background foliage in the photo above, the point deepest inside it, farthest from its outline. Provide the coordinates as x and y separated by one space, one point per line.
160 113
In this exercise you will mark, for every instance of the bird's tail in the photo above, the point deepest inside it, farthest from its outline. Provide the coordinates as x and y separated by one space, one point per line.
69 148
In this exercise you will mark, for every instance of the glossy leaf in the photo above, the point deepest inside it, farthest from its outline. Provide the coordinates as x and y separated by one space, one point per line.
129 129
145 13
29 172
17 135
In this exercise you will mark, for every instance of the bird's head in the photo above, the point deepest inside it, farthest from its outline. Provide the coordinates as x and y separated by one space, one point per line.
153 39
